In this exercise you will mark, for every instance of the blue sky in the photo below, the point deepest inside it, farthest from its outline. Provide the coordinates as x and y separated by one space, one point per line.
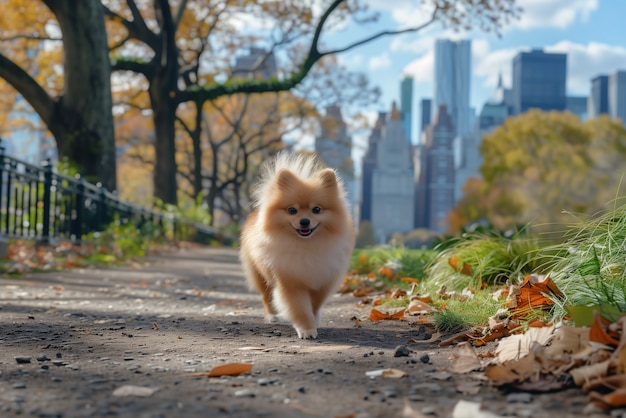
591 32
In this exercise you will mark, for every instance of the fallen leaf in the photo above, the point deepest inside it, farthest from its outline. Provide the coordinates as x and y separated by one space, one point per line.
434 337
517 346
568 340
376 315
231 369
465 359
614 399
417 307
600 333
583 374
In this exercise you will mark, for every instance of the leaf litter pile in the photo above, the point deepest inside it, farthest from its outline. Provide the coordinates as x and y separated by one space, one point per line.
554 314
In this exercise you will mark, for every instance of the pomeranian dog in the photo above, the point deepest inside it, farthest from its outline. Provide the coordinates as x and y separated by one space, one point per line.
296 244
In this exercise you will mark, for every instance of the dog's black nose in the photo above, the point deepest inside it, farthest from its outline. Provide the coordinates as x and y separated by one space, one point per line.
305 222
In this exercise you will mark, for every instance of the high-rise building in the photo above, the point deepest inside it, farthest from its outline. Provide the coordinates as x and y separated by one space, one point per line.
452 82
368 165
577 105
425 111
392 181
437 174
406 106
257 64
617 95
598 102
539 81
334 148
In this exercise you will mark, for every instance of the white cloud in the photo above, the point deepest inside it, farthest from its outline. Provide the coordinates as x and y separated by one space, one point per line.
421 69
379 62
489 65
585 61
552 13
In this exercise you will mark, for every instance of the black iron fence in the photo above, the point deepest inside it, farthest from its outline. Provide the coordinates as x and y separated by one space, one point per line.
42 204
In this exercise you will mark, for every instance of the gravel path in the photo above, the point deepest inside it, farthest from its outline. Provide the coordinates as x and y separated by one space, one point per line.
130 341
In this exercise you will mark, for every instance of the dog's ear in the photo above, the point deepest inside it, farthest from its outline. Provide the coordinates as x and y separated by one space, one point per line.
285 179
327 178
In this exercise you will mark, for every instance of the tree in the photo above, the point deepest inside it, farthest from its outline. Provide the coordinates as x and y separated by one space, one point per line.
540 166
75 104
196 68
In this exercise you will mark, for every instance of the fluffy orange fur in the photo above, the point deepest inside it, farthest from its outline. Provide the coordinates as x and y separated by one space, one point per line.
296 244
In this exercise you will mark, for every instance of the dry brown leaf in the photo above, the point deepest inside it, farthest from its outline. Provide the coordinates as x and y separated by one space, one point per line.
376 315
513 371
417 307
517 346
610 400
434 337
584 374
568 340
465 359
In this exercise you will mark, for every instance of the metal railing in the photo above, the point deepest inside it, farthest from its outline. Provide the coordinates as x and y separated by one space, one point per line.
41 204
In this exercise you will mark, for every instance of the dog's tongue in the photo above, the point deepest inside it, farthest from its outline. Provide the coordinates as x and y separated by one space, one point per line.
305 231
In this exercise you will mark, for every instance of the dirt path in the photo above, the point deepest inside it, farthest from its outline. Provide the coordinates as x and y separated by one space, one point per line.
127 342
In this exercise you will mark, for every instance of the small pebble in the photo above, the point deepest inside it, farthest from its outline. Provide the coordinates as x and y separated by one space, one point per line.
519 397
22 359
425 359
245 393
402 351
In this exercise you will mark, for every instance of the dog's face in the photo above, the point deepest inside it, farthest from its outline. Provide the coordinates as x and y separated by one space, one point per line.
305 209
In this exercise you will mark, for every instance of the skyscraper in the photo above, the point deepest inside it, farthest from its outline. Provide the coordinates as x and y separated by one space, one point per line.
425 111
599 98
406 106
452 82
617 95
437 175
392 181
539 81
334 148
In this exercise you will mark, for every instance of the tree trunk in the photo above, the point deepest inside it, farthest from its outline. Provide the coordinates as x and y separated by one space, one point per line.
82 120
164 176
163 91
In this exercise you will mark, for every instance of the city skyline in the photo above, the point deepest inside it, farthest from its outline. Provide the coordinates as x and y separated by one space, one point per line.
586 30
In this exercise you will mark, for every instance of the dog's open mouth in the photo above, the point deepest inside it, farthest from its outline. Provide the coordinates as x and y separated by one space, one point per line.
305 232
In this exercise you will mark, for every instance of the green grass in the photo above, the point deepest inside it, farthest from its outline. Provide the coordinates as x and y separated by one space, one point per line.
459 315
492 260
590 267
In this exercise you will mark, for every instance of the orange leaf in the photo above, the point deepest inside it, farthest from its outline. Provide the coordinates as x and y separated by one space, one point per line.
231 369
386 271
467 269
599 331
454 262
409 280
376 315
533 293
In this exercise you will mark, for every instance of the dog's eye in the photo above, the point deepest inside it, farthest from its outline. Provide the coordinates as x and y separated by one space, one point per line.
292 210
316 209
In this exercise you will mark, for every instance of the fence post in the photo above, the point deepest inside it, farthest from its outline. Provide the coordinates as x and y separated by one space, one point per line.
47 187
4 246
77 230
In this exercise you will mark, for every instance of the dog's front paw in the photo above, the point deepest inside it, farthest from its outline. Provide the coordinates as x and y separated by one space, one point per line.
307 333
270 318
